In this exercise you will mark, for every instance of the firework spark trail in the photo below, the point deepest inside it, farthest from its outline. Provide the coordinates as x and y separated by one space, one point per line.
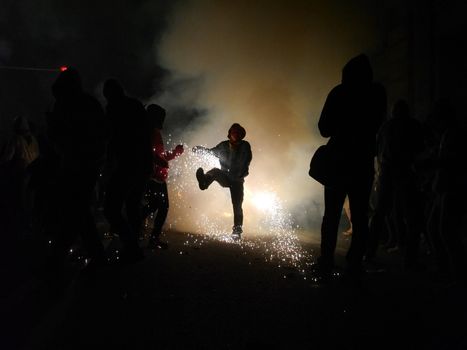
271 226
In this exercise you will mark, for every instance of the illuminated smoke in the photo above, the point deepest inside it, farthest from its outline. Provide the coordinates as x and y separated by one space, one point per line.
267 65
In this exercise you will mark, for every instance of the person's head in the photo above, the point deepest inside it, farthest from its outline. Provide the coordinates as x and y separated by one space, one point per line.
357 71
112 89
21 125
156 115
236 133
400 109
67 84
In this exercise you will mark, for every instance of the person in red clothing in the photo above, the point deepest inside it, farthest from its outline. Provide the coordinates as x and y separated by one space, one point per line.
157 195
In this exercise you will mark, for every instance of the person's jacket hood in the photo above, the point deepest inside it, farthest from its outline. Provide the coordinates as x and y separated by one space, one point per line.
357 71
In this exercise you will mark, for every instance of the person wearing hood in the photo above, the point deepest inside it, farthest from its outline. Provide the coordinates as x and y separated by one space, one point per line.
130 164
351 117
76 131
234 156
400 144
157 194
21 150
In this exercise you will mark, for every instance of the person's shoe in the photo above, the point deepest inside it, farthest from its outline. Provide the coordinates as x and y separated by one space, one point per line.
237 232
201 179
156 243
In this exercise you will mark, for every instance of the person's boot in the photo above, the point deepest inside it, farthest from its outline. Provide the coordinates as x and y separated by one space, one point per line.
201 177
237 231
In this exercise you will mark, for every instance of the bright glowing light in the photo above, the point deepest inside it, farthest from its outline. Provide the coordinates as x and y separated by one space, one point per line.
63 68
265 201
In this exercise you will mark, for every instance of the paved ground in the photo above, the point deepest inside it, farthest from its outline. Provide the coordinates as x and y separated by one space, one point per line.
208 294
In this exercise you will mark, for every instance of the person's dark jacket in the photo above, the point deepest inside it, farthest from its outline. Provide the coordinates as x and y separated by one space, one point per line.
130 136
351 117
235 160
76 125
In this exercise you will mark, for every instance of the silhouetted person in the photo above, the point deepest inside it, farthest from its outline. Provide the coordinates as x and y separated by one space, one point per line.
76 130
351 116
130 157
400 143
234 156
157 194
450 187
18 154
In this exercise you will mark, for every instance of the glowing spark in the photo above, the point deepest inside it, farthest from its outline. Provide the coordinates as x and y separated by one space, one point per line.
268 228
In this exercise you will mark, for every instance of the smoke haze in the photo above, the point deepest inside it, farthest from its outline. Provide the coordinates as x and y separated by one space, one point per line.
267 65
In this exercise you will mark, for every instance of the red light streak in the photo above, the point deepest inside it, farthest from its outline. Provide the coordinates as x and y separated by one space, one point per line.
61 69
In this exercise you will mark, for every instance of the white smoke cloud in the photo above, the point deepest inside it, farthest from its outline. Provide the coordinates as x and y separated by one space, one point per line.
267 65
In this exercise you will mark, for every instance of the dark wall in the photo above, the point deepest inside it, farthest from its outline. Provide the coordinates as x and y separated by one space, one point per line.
421 56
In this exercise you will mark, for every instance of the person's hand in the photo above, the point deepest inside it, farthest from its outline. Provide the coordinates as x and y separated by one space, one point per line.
159 161
179 149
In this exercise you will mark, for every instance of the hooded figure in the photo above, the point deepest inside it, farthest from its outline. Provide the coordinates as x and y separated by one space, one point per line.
234 157
76 131
352 114
130 165
400 144
157 194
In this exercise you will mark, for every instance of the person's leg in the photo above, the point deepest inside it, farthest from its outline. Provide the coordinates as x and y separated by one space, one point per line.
88 229
115 194
61 234
413 218
236 194
219 176
162 198
133 205
215 174
118 190
151 200
359 196
333 202
434 232
381 215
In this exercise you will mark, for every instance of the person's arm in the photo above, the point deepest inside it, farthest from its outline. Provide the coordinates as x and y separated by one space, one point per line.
199 149
245 160
248 158
178 150
158 150
215 151
328 120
